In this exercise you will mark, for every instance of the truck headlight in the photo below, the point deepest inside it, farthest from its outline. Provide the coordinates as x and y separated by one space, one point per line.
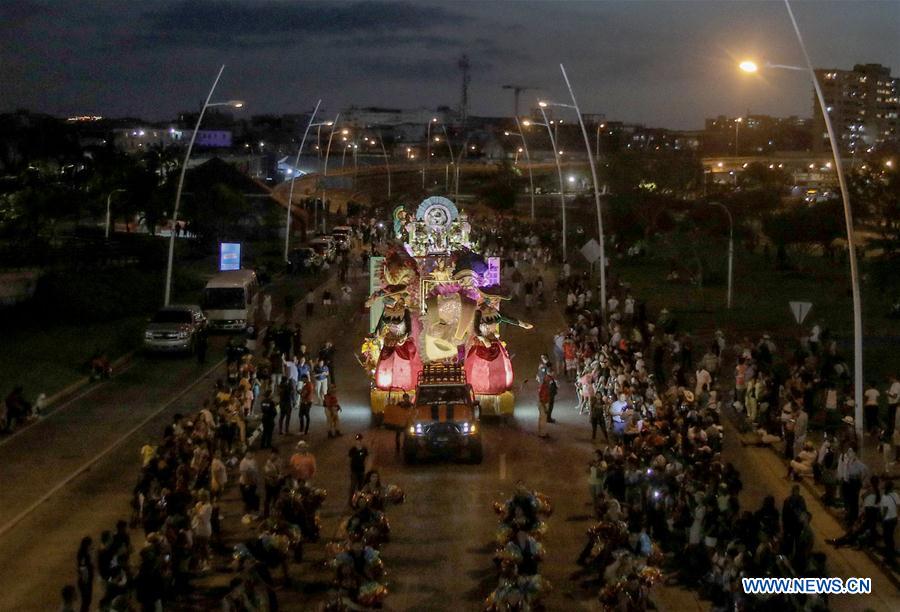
148 335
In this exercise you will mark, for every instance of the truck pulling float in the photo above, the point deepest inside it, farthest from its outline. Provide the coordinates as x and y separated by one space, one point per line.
434 299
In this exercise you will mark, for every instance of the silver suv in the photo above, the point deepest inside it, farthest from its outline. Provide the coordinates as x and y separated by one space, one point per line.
174 328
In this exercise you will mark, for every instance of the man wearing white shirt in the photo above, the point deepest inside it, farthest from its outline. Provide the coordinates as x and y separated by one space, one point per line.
704 380
870 407
290 369
612 304
893 398
629 308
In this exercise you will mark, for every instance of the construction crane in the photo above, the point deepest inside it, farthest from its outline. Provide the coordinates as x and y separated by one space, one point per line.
517 89
464 66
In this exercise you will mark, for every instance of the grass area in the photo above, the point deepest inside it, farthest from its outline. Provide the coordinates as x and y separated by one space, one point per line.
761 297
48 341
46 359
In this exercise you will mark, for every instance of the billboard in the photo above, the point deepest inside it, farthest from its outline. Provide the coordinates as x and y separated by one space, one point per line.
214 138
229 256
377 307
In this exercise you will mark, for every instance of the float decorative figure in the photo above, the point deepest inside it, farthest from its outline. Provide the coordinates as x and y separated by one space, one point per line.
441 303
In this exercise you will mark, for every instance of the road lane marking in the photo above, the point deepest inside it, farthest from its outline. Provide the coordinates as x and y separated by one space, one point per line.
90 463
502 466
66 404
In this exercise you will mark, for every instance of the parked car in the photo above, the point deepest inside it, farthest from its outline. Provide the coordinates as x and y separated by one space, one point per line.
342 235
174 329
324 247
304 260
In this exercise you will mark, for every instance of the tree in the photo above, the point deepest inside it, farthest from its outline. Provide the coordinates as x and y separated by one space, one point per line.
668 173
501 189
214 213
759 176
875 195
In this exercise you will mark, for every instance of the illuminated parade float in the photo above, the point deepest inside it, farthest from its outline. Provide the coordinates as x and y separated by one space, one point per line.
434 299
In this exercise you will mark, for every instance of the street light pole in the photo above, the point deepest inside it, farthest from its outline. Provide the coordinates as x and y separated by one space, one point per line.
730 249
387 164
108 202
287 232
187 155
851 243
456 168
521 135
737 126
562 193
749 66
427 161
587 146
325 170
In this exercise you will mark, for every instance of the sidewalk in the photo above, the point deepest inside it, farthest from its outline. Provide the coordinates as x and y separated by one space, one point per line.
763 473
873 459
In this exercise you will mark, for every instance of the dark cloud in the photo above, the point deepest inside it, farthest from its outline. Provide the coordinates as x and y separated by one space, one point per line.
665 63
231 23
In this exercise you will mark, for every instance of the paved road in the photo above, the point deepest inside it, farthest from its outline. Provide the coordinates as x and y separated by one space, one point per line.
440 554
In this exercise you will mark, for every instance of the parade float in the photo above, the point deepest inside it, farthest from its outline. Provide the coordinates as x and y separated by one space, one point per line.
435 299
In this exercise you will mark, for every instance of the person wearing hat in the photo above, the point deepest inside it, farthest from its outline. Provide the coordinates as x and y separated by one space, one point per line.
359 463
267 407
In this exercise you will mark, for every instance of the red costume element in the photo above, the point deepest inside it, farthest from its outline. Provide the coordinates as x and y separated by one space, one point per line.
489 369
398 366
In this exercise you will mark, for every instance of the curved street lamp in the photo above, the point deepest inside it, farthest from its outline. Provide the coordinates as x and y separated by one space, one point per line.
752 67
587 146
309 125
187 155
562 185
521 135
325 171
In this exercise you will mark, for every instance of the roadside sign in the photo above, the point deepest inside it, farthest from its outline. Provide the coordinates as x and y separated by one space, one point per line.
229 256
591 251
800 310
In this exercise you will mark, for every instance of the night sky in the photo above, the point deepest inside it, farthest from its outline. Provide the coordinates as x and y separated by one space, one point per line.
660 63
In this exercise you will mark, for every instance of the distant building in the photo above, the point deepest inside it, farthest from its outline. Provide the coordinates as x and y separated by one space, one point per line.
755 135
863 104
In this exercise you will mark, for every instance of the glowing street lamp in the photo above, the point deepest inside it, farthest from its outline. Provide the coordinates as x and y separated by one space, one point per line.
309 125
427 160
562 185
187 155
587 146
751 67
524 148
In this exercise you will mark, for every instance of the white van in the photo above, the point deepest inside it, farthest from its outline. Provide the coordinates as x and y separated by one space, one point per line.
229 299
